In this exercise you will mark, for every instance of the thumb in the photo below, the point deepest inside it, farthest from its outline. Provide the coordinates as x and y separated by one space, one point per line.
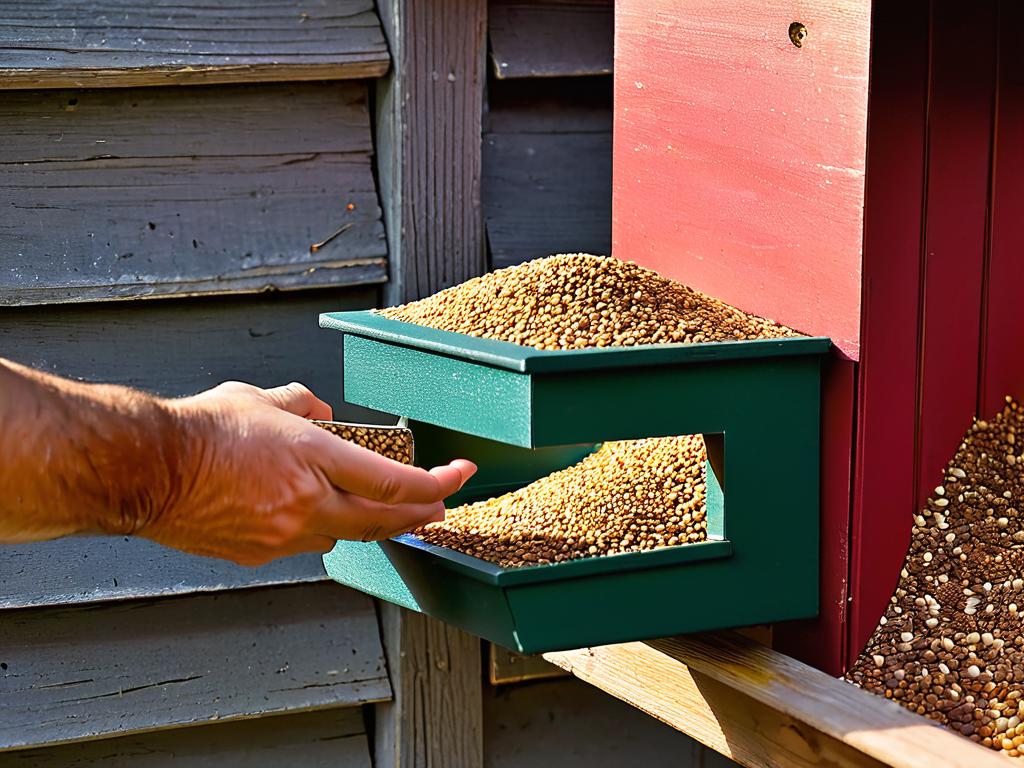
298 399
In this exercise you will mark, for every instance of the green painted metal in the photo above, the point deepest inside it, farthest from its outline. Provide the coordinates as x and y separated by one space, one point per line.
501 467
763 397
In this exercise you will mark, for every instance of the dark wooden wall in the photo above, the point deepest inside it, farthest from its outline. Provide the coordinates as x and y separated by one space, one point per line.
547 141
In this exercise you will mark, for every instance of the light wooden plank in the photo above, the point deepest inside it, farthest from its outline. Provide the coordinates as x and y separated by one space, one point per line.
71 674
173 348
61 44
436 715
330 739
547 185
550 38
739 157
763 709
127 193
428 142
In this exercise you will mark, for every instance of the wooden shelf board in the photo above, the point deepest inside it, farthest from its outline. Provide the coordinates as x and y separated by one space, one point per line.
763 709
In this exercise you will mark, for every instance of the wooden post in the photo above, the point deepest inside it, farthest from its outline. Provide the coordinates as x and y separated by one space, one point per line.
436 717
429 111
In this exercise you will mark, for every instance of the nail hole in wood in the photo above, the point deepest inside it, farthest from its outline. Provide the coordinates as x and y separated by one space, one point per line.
797 33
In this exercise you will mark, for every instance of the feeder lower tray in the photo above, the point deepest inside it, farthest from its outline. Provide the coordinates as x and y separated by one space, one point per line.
549 607
760 398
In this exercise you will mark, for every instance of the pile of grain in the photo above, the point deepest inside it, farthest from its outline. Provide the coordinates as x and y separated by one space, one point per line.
628 496
574 301
950 645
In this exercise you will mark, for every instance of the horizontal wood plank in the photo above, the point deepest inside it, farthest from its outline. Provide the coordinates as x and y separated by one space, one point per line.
763 709
120 43
329 739
128 193
550 38
547 183
172 348
71 674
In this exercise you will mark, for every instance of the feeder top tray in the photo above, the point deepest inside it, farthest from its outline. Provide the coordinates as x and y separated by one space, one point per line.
514 357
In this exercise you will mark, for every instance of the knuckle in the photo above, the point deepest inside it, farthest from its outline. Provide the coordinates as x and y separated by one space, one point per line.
389 488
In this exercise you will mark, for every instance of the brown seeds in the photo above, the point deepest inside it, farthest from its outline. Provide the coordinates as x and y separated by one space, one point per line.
574 301
628 496
957 598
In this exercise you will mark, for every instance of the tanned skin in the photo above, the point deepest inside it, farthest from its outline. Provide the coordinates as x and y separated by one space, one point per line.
236 472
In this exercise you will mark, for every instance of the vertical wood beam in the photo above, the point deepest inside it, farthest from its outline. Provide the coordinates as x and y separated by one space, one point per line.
436 717
428 131
429 111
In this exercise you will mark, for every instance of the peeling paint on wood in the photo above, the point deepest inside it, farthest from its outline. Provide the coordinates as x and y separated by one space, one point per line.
70 674
127 193
50 44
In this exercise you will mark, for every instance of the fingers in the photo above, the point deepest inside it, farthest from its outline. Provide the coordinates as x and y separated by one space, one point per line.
298 399
354 517
365 473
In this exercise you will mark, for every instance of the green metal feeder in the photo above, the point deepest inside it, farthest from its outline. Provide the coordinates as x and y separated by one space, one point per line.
522 413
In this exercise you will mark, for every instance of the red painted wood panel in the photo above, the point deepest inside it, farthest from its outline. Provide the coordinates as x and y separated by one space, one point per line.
884 485
959 148
821 642
739 157
1002 371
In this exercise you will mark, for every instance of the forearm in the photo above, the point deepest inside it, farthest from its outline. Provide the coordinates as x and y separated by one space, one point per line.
82 458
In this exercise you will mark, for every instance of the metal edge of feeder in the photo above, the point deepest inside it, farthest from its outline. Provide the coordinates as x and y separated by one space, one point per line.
522 359
501 604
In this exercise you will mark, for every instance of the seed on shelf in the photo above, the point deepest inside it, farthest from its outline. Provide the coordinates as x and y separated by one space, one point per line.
621 498
576 301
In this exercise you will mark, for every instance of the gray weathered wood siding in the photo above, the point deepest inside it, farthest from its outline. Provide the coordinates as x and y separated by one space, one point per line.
163 238
72 674
328 739
548 168
551 38
112 194
73 43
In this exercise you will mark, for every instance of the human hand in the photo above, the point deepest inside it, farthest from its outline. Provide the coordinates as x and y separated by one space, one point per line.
261 482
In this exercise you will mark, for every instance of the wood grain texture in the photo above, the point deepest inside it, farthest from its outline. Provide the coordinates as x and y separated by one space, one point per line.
436 715
766 710
821 642
886 450
428 143
739 158
128 193
547 169
330 739
960 128
550 38
172 348
75 674
53 44
1002 368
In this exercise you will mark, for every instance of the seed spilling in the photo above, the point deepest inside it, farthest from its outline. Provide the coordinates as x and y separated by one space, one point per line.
628 496
575 301
958 598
